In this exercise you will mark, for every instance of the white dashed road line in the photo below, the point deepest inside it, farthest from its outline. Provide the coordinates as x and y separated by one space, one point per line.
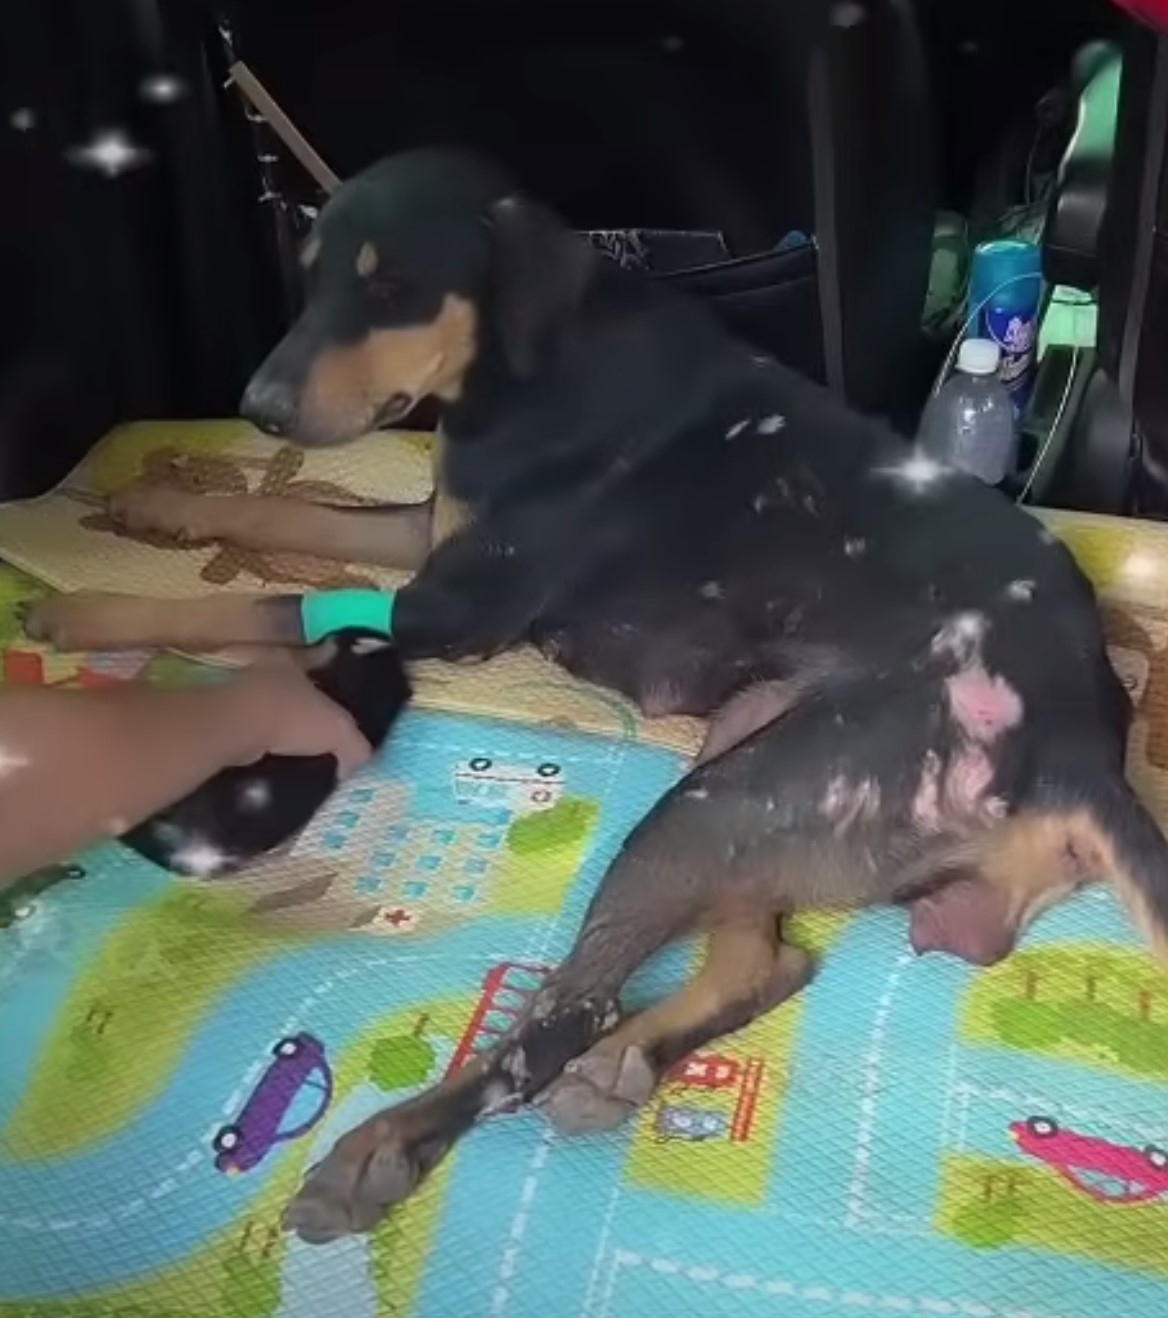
872 1302
172 1178
870 1093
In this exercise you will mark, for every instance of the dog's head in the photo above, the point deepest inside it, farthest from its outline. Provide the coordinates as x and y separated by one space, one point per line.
412 269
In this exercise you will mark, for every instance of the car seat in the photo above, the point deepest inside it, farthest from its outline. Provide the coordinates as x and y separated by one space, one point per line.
1107 234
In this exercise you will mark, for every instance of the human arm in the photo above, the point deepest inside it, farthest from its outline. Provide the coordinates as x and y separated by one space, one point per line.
76 766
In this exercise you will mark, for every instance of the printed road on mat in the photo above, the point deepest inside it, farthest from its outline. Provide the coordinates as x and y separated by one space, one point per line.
909 1137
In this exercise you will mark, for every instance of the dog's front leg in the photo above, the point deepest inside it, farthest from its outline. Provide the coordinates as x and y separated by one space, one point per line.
477 594
465 603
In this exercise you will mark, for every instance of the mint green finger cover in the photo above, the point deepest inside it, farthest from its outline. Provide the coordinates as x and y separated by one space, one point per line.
329 611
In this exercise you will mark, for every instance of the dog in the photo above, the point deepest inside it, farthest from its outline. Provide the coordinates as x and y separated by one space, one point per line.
909 694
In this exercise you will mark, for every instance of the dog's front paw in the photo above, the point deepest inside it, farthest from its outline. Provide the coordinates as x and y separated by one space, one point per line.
161 510
370 1170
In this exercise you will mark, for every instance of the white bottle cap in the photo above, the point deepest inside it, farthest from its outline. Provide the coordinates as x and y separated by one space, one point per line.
979 357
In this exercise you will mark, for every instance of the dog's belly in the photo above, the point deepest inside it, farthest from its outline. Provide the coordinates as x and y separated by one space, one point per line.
662 674
682 660
683 632
715 588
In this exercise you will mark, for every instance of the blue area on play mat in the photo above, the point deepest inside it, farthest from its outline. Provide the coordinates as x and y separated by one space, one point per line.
910 1136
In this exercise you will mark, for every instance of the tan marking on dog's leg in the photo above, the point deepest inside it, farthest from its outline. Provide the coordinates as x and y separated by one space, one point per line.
1041 858
747 971
396 537
129 622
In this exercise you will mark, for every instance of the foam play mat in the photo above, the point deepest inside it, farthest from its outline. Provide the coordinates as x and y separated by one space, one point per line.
66 541
910 1136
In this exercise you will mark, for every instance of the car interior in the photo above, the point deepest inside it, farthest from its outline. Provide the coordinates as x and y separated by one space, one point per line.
819 172
186 1035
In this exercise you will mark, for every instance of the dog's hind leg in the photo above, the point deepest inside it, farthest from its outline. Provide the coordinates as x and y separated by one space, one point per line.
651 894
748 970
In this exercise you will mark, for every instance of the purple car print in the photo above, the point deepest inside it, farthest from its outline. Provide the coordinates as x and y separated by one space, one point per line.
298 1063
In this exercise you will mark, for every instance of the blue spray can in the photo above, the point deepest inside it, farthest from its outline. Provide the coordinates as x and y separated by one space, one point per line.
1006 277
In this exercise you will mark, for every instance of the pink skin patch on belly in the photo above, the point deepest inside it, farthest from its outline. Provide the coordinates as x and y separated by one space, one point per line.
982 706
926 805
845 803
969 778
958 796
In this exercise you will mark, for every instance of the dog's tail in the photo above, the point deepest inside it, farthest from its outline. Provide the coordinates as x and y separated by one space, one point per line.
1117 832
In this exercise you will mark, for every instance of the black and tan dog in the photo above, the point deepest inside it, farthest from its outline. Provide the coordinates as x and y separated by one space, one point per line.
910 695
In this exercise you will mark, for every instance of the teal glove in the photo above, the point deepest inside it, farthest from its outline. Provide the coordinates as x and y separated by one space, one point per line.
329 611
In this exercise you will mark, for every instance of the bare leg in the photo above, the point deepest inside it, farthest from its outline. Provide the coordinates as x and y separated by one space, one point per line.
129 622
396 535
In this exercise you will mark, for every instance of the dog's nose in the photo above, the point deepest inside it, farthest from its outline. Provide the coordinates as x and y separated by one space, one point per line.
270 406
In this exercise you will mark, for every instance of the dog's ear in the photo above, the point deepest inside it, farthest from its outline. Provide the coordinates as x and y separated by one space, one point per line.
540 270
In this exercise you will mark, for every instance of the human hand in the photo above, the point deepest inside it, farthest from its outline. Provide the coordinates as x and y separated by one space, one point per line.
284 714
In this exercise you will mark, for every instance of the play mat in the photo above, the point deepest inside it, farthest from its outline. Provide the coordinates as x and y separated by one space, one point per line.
908 1137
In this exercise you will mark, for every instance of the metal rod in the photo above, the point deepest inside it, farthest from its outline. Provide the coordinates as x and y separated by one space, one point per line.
264 104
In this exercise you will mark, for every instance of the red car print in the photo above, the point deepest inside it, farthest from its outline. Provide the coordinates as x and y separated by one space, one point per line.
1109 1173
298 1063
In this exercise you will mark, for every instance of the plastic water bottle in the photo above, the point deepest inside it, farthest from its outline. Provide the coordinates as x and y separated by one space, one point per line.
970 423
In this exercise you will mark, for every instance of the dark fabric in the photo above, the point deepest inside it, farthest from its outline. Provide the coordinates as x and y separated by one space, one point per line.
134 296
665 115
74 298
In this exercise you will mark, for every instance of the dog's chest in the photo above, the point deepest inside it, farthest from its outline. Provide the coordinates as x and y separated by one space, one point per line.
450 513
